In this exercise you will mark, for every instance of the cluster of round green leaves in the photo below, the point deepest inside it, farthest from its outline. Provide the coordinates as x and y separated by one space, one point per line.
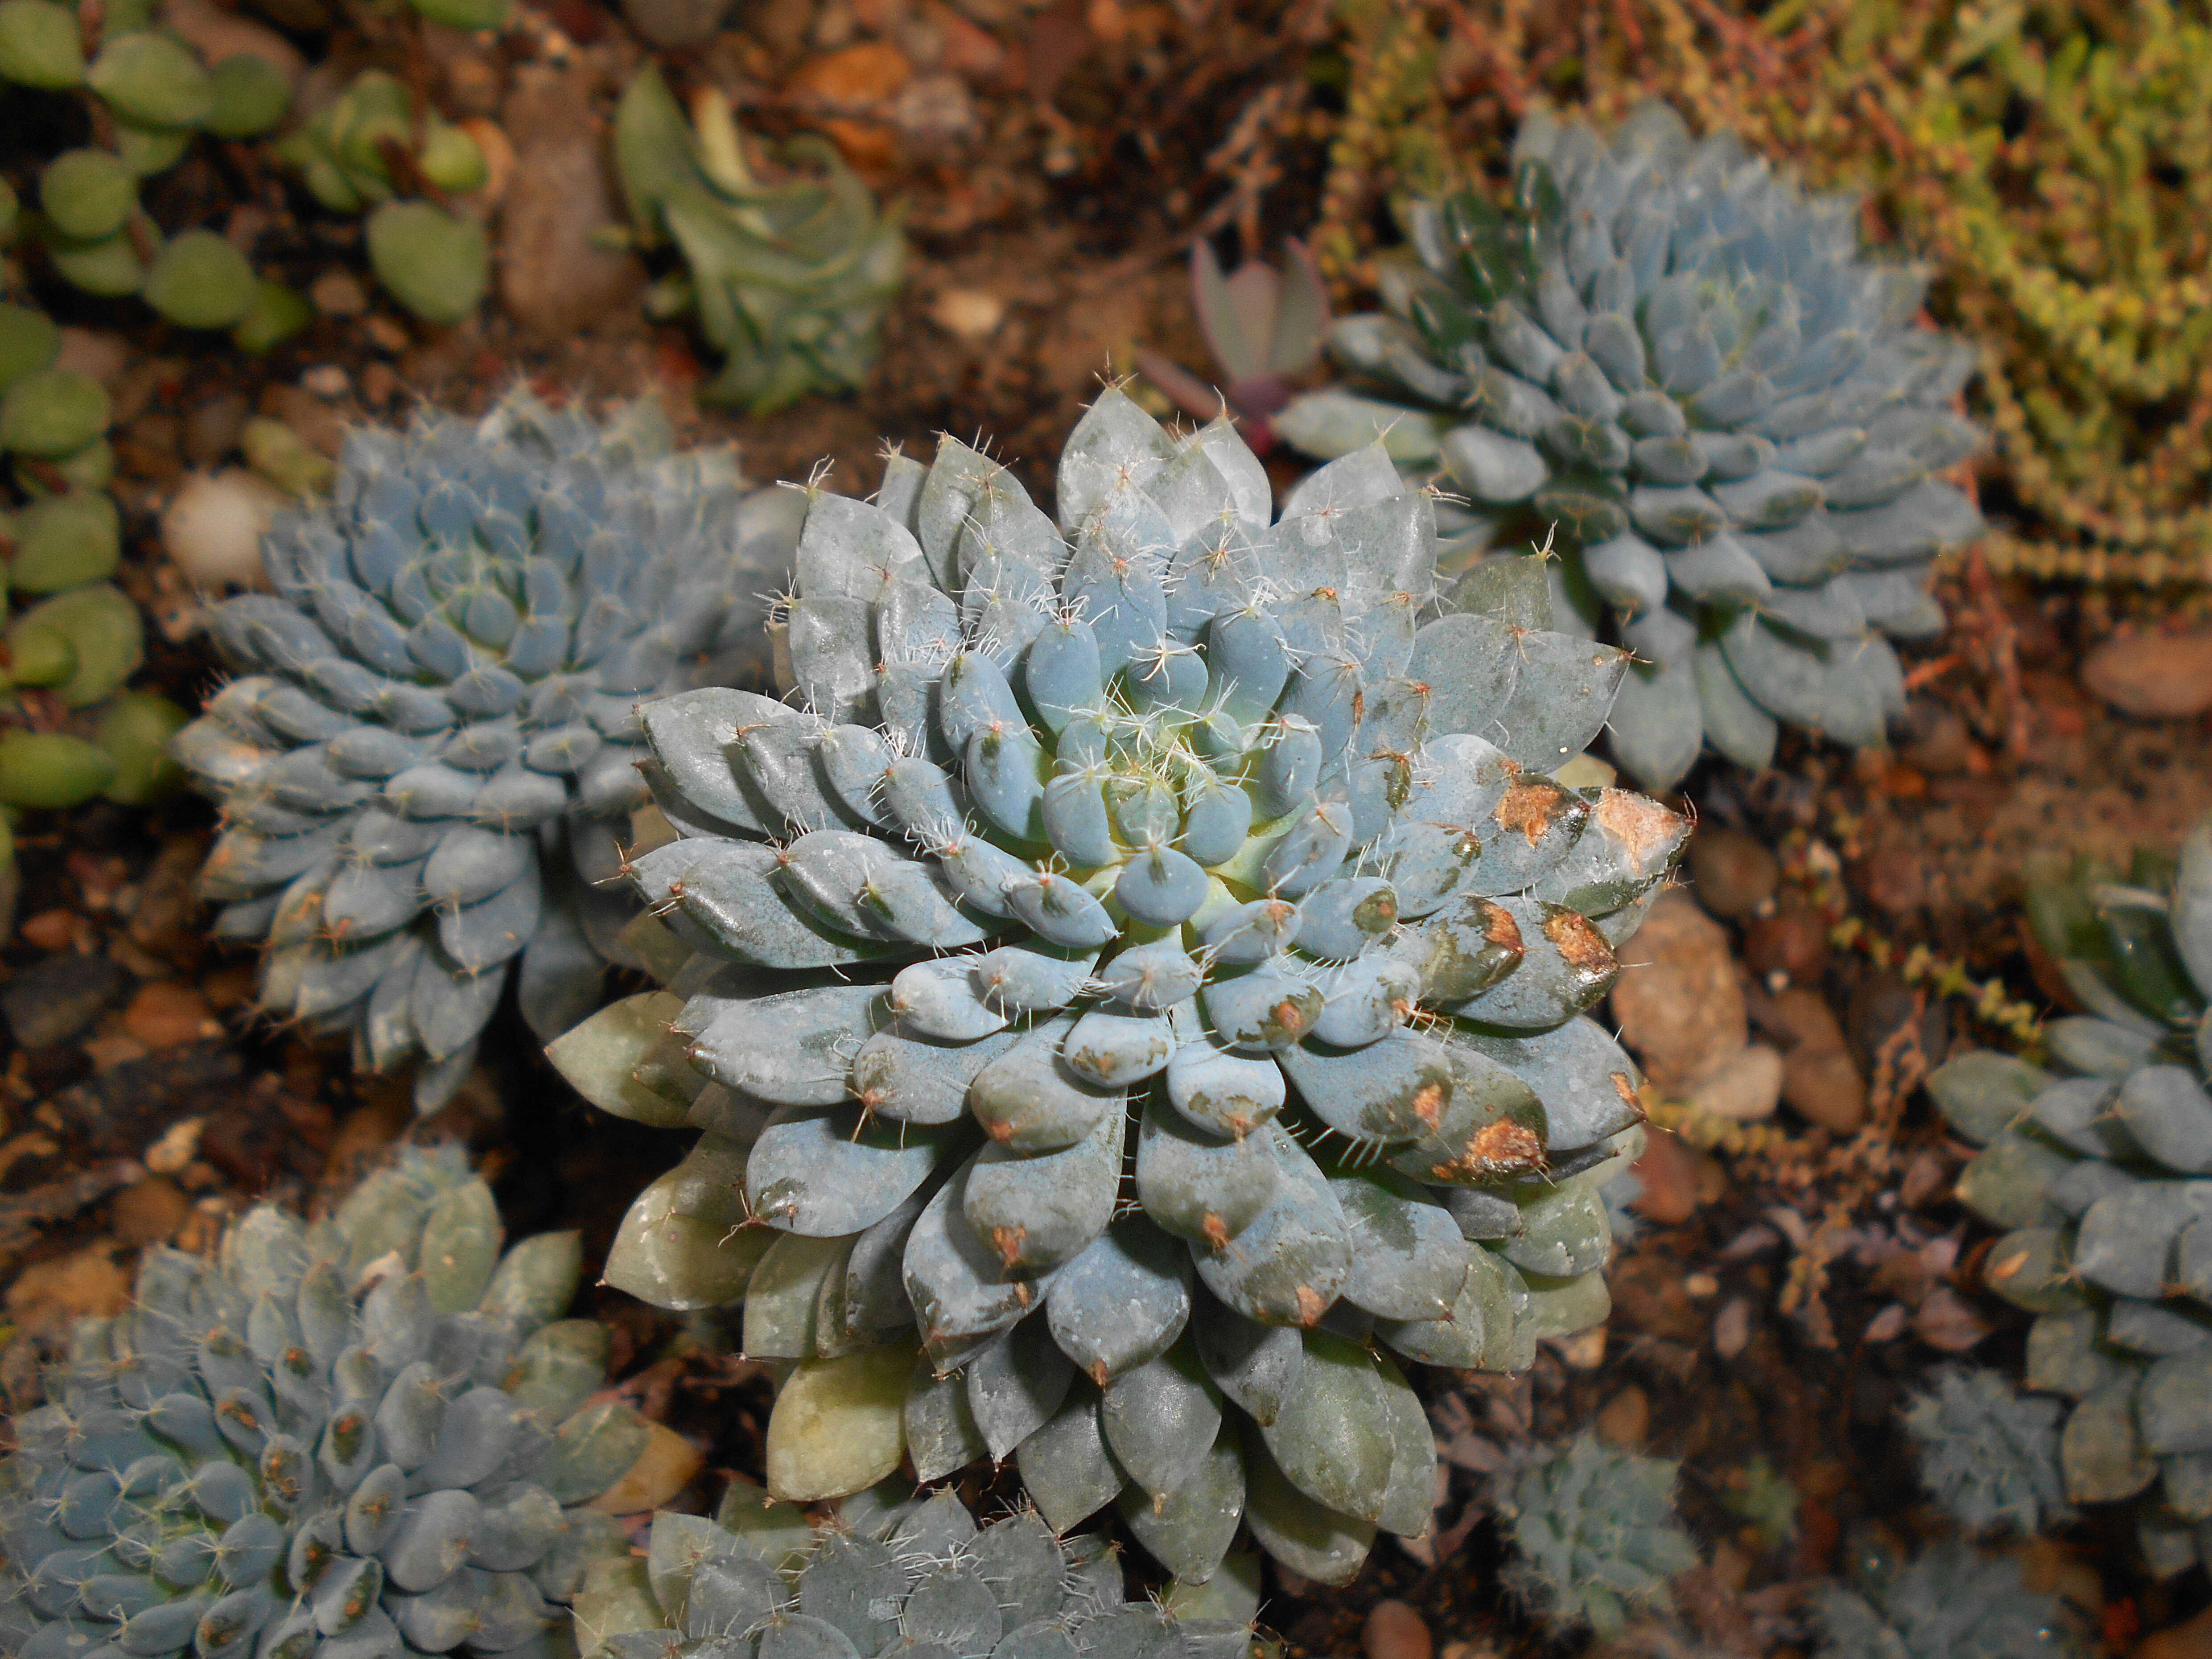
434 262
156 93
75 637
2101 1173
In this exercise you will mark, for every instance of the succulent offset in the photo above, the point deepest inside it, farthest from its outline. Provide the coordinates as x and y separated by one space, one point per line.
1597 1535
1989 1453
369 150
148 93
1680 365
1166 823
1952 1602
1265 329
788 276
365 1436
427 764
2101 1175
894 1573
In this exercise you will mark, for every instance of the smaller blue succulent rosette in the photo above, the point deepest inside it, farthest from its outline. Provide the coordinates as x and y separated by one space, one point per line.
426 763
1681 371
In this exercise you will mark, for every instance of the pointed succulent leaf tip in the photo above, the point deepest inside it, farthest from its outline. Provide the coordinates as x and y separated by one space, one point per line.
369 1429
1129 909
1684 372
2095 1169
429 766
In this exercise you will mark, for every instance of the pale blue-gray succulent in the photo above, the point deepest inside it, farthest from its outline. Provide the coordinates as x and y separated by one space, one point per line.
360 1439
2101 1173
1952 1602
428 763
896 1574
1147 972
1682 367
1597 1536
1989 1453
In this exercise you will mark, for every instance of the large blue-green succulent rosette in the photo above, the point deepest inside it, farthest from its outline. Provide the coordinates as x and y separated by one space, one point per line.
1133 991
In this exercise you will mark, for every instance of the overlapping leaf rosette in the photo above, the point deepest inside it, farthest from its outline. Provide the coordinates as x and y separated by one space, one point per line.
894 1571
1146 977
2102 1172
359 1439
428 762
1681 365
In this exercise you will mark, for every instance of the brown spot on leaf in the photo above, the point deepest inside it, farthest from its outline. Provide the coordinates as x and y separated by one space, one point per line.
1098 1372
1001 1131
1312 1307
1579 942
1531 809
1215 1230
1639 824
1623 1086
1007 1241
1504 1147
1499 928
1429 1101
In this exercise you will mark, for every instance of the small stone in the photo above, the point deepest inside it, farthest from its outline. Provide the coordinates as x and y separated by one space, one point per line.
859 77
1666 1170
1745 1088
211 428
49 1296
1888 1325
1804 1014
1791 943
149 1211
165 1015
2191 1639
1947 1320
212 527
971 313
216 33
179 1145
553 277
1732 1327
1624 1420
386 334
1733 874
56 930
1701 1286
329 380
1823 1087
2158 676
338 293
1677 1002
1585 1350
96 352
1395 1630
52 1000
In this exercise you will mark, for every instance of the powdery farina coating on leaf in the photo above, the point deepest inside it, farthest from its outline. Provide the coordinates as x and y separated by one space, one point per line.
2100 1176
355 1440
429 760
1167 834
1733 422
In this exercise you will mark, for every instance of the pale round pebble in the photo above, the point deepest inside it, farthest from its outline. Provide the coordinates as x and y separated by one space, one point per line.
212 526
1395 1630
1745 1087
